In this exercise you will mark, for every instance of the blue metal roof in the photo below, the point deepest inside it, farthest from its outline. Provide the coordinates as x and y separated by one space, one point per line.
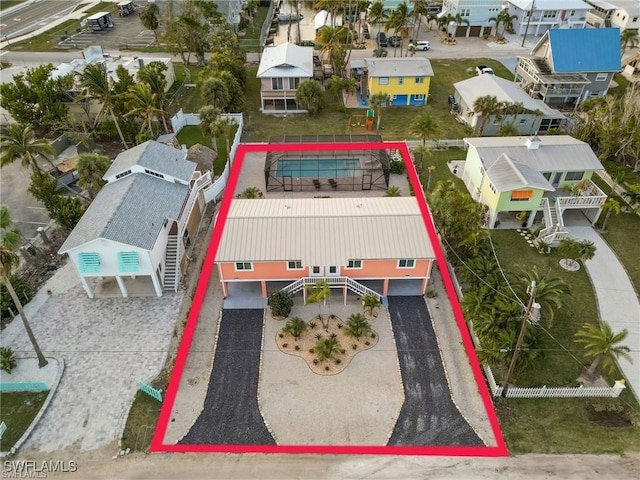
585 50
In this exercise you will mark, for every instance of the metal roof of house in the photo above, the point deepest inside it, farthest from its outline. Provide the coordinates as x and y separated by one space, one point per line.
286 60
399 67
507 175
554 153
584 49
130 211
504 90
551 5
155 156
327 231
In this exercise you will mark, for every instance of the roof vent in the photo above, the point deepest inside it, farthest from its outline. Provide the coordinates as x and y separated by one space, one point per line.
533 143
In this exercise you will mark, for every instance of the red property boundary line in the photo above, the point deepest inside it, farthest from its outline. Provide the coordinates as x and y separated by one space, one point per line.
157 444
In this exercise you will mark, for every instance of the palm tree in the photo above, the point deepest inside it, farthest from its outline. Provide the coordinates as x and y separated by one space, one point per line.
95 81
327 348
91 167
227 126
20 142
378 14
149 18
339 86
485 106
398 23
447 19
610 206
419 10
332 40
10 239
357 326
250 193
629 38
602 345
143 102
295 327
369 304
209 124
310 95
331 6
423 126
419 156
153 75
550 291
319 293
215 93
577 249
504 19
377 102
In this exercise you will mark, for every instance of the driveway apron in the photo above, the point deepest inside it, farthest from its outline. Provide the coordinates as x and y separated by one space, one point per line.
231 414
428 415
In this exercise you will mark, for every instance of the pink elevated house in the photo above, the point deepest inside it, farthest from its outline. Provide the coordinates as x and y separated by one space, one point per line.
366 245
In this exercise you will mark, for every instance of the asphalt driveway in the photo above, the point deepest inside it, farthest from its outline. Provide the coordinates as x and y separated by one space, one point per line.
428 416
231 415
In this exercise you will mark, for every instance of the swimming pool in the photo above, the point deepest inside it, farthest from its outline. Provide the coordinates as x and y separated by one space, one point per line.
320 168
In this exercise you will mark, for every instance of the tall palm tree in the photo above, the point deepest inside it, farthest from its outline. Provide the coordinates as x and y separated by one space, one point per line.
550 291
141 101
485 106
419 10
423 126
602 345
91 167
153 75
610 206
20 142
319 293
332 40
508 129
215 93
378 14
505 20
339 86
95 81
629 38
10 239
331 6
398 21
227 126
377 103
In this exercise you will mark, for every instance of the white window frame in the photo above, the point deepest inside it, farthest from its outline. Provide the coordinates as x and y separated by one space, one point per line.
573 174
406 262
277 83
354 264
419 80
383 81
243 267
418 96
601 77
296 263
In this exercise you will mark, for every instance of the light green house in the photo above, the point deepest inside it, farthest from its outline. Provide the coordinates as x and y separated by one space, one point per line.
526 180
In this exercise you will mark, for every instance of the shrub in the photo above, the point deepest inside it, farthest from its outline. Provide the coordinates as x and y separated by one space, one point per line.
312 325
338 361
295 327
316 361
7 359
297 347
280 303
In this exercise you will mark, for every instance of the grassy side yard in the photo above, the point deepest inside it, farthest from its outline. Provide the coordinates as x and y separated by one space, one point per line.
192 134
17 411
141 422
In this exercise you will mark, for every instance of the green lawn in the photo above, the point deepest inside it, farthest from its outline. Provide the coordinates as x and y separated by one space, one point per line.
6 4
192 134
141 422
17 411
250 37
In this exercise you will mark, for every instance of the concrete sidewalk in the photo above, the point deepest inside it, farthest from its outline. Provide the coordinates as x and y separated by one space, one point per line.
617 300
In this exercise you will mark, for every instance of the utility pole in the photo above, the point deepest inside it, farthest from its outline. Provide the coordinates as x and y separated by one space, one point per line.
532 312
526 29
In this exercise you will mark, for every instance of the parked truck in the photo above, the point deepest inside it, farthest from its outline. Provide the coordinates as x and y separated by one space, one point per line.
99 21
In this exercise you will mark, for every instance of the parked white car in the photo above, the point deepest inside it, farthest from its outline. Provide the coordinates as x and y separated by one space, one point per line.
422 45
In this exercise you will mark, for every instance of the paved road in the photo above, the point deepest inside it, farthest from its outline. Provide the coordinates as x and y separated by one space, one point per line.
231 415
34 16
428 415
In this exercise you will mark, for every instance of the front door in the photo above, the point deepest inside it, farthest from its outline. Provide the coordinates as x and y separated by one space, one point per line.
556 179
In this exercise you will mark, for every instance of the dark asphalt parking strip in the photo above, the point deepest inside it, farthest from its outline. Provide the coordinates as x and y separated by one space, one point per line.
428 416
231 415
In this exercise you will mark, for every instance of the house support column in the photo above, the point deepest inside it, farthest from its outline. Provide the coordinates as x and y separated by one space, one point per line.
123 287
532 216
156 284
492 220
385 287
225 289
344 292
304 295
423 288
86 286
263 285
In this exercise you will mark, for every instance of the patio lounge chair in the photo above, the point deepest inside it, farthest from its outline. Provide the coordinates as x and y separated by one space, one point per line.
333 183
316 183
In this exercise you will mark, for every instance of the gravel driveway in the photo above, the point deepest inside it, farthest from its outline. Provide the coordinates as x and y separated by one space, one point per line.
428 416
231 414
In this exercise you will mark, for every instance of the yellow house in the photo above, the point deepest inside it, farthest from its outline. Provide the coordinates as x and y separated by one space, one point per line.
405 79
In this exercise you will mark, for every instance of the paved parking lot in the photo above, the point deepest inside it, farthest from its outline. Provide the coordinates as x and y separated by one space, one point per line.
128 33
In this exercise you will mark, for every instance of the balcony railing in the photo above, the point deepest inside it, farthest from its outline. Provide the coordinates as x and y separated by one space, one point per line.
590 196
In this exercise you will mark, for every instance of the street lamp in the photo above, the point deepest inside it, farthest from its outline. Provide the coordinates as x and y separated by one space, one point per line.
531 314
